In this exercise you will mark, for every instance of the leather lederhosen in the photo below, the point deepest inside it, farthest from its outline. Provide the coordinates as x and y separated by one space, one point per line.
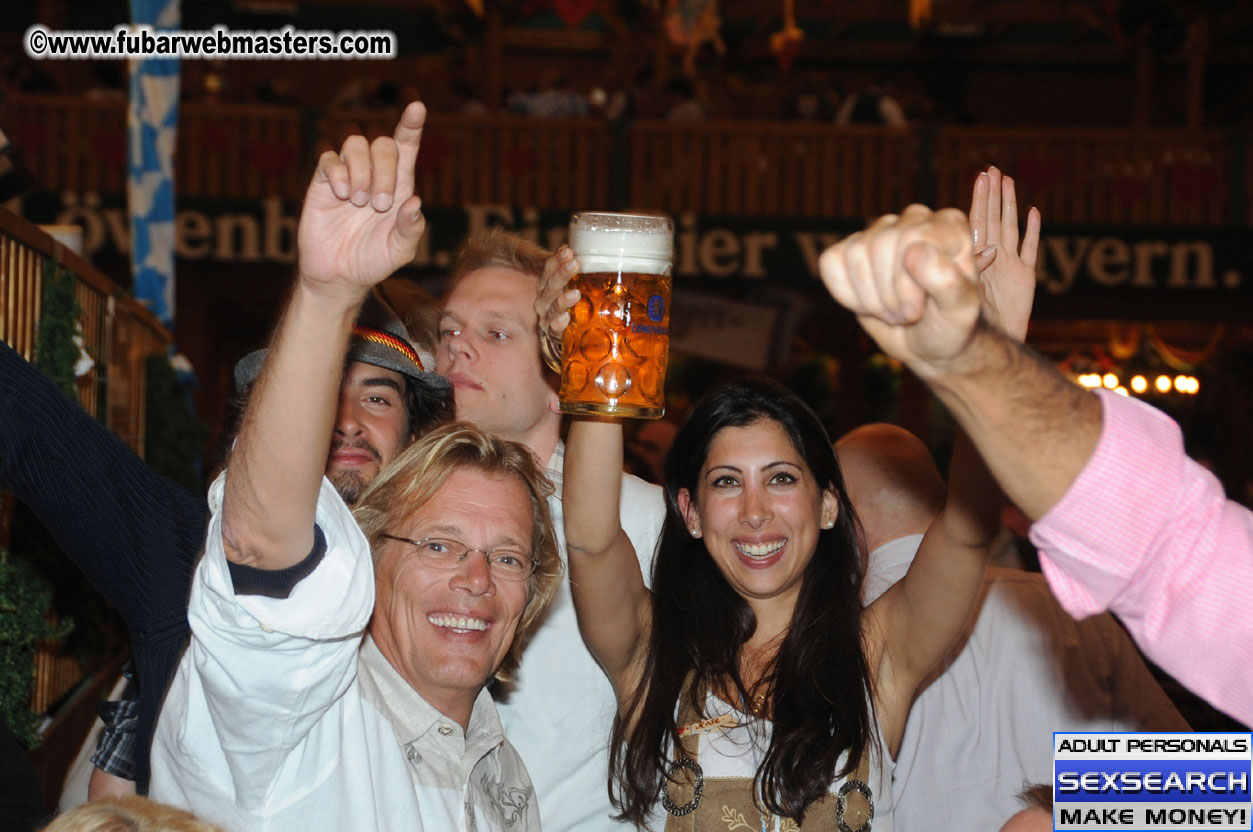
695 803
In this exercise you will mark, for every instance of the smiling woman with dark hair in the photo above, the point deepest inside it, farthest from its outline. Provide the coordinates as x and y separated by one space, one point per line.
752 687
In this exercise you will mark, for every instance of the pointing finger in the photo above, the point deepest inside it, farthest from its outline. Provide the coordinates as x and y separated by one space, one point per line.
408 138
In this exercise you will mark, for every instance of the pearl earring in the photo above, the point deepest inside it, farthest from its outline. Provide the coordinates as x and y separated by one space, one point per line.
694 532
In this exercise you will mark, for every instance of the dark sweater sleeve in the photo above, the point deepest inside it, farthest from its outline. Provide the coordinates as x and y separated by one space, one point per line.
135 534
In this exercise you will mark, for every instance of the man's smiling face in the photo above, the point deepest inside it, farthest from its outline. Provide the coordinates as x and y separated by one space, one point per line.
447 630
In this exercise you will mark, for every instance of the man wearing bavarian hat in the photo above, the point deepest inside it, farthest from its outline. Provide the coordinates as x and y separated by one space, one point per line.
388 397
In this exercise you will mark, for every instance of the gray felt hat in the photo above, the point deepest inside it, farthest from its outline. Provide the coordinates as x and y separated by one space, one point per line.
378 338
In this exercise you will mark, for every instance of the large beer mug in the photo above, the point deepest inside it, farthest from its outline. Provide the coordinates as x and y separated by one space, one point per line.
614 351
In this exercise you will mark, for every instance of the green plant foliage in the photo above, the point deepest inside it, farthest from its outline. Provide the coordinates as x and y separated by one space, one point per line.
98 632
25 598
55 350
173 436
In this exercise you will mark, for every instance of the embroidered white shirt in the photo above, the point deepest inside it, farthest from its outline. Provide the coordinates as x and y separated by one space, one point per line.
281 719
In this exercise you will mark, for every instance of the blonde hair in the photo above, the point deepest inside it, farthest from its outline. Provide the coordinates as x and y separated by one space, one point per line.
128 814
496 247
417 474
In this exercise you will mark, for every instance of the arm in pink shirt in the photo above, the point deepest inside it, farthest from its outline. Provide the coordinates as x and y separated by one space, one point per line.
1148 534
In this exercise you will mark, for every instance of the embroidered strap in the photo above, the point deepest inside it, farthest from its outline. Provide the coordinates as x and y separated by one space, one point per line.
854 808
684 784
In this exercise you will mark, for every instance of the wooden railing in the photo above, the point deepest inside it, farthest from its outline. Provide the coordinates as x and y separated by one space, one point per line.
244 151
71 142
764 168
1154 177
1075 175
56 674
118 333
536 163
75 144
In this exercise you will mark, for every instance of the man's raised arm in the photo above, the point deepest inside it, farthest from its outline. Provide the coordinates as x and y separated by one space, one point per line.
1032 426
361 221
1126 521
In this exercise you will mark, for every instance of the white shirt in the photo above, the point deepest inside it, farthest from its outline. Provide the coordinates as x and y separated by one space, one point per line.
280 718
983 728
559 710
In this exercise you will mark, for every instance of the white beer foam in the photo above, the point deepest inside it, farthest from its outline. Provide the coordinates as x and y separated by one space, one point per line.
608 249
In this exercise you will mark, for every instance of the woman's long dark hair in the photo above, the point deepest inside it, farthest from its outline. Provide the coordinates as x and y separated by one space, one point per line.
819 680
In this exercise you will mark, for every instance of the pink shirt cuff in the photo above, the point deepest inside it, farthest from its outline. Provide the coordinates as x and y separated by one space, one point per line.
1093 540
1148 534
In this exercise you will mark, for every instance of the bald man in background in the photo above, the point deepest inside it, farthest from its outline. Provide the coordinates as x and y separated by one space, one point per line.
1024 670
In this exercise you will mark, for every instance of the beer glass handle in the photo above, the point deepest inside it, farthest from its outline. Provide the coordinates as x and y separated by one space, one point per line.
550 348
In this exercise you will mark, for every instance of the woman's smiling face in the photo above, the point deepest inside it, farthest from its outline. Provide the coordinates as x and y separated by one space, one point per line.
759 510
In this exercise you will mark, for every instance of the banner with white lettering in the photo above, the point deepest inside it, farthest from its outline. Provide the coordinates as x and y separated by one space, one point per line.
1125 272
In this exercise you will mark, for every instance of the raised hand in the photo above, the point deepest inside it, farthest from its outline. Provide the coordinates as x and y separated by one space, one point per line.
911 281
1006 271
361 219
553 302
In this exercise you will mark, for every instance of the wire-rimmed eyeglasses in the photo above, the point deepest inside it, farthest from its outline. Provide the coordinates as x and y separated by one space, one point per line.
506 563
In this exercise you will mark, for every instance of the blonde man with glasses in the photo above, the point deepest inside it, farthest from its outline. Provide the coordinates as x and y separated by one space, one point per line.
337 669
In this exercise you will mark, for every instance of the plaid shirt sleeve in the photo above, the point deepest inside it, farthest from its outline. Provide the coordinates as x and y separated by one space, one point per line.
117 745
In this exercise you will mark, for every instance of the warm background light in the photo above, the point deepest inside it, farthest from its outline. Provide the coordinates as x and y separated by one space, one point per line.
1139 384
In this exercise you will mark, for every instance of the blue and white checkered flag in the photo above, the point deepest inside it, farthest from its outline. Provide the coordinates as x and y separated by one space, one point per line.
152 128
